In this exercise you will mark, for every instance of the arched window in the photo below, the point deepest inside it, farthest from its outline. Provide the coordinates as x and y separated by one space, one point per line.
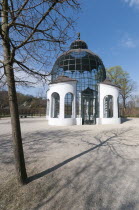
108 106
55 105
68 105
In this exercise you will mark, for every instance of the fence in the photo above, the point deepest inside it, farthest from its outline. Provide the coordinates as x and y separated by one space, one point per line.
25 112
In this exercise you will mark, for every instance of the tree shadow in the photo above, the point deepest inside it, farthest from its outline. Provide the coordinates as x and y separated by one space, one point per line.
111 139
94 178
43 173
90 187
128 206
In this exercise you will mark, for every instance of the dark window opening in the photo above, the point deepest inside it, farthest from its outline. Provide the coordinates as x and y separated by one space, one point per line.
55 105
68 105
108 106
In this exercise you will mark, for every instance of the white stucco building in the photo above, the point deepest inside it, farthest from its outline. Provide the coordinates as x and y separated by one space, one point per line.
79 92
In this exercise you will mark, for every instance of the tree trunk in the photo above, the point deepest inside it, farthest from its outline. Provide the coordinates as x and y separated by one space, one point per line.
8 68
16 131
124 107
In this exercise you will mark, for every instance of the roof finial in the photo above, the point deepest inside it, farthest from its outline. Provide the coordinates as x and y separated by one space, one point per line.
78 34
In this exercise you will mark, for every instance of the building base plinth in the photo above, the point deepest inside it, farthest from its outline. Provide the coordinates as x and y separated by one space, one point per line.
108 121
62 122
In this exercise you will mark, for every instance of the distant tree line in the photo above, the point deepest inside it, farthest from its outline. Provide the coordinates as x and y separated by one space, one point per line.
28 105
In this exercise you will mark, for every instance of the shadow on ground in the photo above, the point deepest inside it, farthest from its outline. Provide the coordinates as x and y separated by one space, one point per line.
123 120
102 175
97 181
108 142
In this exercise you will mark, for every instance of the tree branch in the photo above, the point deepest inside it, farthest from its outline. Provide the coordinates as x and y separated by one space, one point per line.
37 25
19 12
30 70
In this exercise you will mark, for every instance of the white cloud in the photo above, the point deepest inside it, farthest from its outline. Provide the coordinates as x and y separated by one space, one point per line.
129 42
132 3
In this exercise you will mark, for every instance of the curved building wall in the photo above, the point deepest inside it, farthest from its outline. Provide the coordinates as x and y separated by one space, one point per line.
108 90
62 89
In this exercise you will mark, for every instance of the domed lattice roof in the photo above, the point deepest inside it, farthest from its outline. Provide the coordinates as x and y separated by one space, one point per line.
78 58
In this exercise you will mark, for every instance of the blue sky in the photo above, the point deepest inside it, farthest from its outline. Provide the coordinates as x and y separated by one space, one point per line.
111 29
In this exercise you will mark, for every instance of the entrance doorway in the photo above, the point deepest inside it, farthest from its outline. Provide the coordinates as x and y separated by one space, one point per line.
88 107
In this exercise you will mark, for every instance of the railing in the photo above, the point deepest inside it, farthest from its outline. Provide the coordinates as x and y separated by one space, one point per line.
25 112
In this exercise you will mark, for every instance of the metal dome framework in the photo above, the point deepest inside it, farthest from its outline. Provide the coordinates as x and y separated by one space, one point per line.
78 44
83 65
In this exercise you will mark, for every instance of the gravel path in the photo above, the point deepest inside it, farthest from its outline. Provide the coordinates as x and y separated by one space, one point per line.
93 167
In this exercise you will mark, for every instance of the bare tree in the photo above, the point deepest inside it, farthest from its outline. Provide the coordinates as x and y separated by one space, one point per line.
133 106
28 30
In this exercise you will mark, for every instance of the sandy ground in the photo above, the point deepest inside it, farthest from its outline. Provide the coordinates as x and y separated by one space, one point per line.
90 167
